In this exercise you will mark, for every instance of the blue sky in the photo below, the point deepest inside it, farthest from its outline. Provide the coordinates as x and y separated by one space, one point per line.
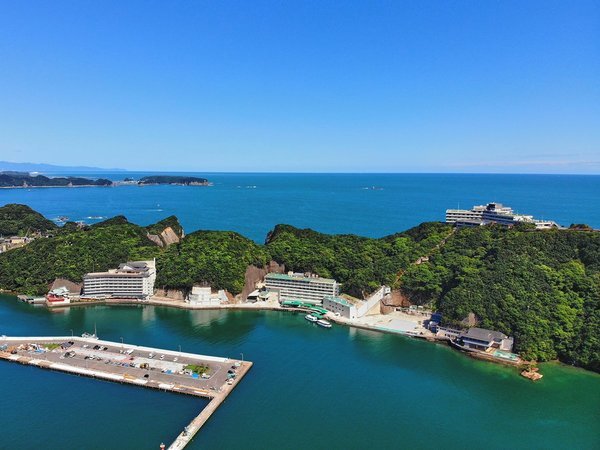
392 86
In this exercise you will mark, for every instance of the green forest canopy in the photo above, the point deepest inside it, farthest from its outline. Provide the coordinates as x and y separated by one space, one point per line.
542 287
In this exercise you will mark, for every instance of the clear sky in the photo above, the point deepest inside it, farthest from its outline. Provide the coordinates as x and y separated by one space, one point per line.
370 86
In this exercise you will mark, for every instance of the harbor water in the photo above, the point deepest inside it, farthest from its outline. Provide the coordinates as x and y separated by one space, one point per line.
309 388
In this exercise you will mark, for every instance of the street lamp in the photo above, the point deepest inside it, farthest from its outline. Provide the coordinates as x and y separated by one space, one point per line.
242 357
71 333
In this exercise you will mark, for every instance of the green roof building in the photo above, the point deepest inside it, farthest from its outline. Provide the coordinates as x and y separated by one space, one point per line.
304 287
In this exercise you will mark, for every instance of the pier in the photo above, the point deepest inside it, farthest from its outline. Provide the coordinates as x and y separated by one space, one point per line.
208 377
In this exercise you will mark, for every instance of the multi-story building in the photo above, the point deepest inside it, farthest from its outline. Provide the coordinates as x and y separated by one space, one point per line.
493 213
299 286
134 279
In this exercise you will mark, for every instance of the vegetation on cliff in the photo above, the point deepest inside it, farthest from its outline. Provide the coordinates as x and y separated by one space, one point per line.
542 287
19 220
72 253
169 222
361 264
218 258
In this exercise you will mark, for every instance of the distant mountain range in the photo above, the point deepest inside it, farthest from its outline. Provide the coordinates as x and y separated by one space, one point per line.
40 167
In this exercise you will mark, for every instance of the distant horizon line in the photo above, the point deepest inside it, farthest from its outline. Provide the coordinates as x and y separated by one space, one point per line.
127 171
56 168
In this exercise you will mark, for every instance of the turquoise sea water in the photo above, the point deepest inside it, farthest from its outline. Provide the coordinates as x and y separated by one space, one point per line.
334 203
309 388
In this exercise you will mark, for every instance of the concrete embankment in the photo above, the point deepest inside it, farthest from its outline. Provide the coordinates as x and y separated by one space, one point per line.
190 431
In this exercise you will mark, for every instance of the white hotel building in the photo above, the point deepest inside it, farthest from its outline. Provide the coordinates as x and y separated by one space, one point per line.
298 286
493 213
134 279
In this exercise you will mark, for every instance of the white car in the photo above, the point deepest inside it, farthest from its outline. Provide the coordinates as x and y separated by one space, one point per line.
175 359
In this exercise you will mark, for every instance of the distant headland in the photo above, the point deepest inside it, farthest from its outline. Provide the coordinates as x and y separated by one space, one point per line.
10 179
13 179
172 179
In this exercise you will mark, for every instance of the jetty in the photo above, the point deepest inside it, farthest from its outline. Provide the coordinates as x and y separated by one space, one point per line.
209 377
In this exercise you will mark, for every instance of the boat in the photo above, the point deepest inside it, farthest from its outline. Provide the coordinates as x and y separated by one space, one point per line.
310 318
324 323
91 336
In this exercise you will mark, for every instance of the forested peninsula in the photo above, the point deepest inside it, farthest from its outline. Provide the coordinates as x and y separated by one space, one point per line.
10 179
173 179
542 287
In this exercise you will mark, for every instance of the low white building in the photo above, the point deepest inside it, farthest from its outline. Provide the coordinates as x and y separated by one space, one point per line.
355 308
58 296
134 279
203 295
341 306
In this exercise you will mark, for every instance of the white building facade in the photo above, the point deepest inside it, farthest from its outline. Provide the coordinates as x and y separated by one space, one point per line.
203 295
303 287
355 308
493 213
341 306
134 279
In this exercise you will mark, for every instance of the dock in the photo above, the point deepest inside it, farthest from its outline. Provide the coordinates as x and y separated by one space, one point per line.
209 377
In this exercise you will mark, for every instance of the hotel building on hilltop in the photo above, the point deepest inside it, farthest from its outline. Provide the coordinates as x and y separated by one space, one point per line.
299 286
493 213
134 279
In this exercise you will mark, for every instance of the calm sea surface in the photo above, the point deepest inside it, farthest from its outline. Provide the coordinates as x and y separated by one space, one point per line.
310 387
366 204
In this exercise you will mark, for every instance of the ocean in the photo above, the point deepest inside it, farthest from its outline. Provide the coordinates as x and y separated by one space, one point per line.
371 205
310 387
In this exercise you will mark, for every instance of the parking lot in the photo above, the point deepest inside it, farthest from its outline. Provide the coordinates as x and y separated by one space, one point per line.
147 364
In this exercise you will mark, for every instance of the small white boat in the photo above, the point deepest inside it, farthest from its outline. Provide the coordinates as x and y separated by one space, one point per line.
324 323
89 335
310 318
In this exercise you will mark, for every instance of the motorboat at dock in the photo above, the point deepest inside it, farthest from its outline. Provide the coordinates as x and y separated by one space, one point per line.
324 323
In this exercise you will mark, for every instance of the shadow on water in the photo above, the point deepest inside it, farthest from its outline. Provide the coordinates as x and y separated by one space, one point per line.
210 325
